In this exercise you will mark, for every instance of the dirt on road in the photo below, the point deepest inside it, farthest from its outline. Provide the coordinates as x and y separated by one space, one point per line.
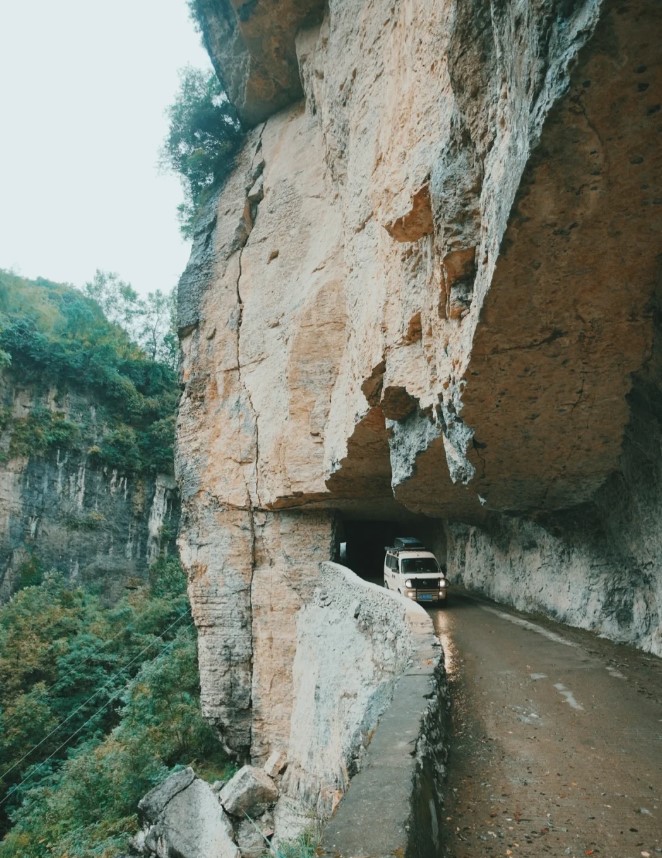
557 739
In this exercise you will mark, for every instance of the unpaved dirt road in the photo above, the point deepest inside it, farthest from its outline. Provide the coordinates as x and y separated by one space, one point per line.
557 739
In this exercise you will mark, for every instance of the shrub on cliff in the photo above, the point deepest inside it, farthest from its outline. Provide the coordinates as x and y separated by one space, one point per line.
39 432
203 137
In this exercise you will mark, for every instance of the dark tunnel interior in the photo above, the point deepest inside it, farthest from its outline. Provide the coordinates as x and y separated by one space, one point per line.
362 543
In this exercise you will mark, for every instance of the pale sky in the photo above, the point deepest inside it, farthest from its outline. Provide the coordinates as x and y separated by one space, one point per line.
84 85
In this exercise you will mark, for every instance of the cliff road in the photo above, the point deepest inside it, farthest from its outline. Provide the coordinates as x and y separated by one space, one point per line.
556 739
426 302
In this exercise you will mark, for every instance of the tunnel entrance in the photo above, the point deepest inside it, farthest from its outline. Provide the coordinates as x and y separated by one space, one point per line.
365 541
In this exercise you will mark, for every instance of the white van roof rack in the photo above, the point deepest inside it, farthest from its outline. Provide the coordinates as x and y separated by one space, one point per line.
410 543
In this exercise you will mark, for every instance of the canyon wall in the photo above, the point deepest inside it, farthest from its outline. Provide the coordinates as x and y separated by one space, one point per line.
424 290
61 510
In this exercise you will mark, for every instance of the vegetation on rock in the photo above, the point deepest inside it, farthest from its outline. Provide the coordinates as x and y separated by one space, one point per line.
304 846
203 138
52 335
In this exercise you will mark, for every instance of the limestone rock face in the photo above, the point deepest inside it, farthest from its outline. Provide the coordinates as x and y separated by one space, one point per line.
596 566
425 289
397 248
62 511
252 48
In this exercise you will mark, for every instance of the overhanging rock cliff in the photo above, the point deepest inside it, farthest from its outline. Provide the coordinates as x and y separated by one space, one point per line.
425 289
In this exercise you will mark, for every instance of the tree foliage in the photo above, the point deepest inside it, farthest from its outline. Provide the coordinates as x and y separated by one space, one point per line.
56 335
149 322
96 707
203 137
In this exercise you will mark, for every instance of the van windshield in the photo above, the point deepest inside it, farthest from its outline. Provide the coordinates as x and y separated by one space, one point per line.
411 565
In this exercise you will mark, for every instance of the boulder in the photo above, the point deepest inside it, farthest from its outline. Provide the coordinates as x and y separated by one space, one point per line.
276 763
152 805
185 820
250 793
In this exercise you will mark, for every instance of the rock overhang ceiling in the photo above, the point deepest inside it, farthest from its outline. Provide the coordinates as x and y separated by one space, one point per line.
252 46
481 295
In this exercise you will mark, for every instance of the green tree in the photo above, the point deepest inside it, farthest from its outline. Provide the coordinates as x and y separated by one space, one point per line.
87 806
5 357
149 322
119 301
157 328
203 137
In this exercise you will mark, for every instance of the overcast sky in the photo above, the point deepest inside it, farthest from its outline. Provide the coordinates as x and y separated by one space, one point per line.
84 85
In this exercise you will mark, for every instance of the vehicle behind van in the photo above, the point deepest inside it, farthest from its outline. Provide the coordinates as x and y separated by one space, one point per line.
413 571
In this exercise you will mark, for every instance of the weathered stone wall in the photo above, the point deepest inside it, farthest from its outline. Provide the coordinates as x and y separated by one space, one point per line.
64 512
395 803
354 641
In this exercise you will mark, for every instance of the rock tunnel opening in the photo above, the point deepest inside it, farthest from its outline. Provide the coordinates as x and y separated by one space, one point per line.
361 544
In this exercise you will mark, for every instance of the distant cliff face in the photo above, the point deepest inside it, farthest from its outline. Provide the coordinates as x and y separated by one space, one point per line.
425 291
60 509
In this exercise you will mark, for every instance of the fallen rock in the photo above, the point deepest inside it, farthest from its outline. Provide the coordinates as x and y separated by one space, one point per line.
137 844
276 763
184 820
253 836
250 792
154 803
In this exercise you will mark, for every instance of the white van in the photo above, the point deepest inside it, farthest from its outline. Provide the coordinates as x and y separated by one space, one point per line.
413 571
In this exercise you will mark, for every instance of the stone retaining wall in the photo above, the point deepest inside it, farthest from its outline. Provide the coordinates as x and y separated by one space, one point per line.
394 804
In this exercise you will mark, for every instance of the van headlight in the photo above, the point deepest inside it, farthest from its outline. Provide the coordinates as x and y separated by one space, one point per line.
408 583
443 583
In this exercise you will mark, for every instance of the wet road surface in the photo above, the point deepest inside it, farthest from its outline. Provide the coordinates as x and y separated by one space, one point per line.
556 739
